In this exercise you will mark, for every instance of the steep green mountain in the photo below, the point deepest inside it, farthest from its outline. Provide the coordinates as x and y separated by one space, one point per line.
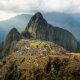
68 21
38 28
39 53
10 41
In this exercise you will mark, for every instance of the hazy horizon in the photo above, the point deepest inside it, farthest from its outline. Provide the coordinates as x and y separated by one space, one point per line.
10 8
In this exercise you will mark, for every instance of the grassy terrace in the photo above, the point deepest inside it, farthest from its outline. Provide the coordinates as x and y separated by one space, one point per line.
40 60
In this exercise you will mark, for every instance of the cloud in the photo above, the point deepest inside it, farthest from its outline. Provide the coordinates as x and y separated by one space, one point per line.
17 6
32 6
62 5
5 15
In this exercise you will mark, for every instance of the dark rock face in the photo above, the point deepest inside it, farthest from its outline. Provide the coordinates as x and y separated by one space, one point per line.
40 29
10 41
1 47
13 35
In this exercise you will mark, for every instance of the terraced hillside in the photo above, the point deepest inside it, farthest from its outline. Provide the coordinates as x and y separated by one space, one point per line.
40 60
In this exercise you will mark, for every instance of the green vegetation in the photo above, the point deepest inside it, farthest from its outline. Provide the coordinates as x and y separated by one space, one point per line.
29 62
13 75
34 45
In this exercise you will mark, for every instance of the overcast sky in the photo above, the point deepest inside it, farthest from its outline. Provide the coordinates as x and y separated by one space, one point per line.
9 8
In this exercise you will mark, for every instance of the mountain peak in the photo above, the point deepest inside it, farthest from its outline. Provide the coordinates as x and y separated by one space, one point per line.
12 36
13 30
37 17
36 21
11 39
38 14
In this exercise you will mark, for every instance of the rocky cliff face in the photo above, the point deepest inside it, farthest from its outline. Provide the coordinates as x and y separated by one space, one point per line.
40 29
10 41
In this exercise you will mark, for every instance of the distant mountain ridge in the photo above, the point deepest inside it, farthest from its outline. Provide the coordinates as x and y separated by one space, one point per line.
19 22
71 22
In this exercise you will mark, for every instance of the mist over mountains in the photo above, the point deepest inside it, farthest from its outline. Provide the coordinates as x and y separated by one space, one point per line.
39 29
71 22
19 22
39 52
